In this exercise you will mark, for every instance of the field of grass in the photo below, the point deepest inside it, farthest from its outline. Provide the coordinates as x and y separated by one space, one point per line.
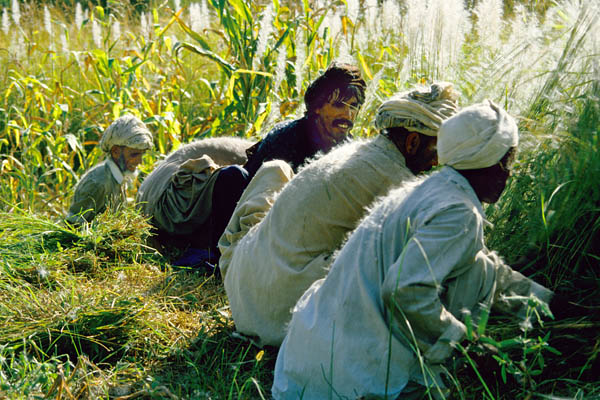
96 312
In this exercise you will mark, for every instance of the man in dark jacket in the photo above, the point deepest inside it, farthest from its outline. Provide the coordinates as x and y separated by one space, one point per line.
332 101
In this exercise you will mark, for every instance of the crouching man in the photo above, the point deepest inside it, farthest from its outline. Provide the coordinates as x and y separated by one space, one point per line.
268 261
401 281
125 141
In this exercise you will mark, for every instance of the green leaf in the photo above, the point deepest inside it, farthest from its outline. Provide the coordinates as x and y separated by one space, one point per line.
483 319
171 21
227 68
508 343
365 67
242 10
100 11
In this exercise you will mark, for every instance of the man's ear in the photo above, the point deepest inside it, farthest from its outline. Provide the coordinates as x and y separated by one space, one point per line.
412 143
115 152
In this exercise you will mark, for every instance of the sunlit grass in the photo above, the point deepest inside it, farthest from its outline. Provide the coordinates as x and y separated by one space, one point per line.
95 312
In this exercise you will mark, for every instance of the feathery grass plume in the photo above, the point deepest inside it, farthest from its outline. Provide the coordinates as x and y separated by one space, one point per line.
361 37
522 57
390 16
279 68
97 33
195 17
589 14
372 101
144 28
353 10
300 58
278 77
563 80
64 43
489 22
16 12
20 49
344 52
199 16
435 33
78 15
47 20
449 29
333 23
266 28
415 25
205 12
5 21
116 30
371 18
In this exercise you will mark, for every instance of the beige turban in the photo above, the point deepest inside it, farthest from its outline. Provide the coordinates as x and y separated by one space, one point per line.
477 137
128 131
420 110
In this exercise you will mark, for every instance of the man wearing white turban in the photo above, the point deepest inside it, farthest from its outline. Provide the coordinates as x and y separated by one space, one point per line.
386 316
125 141
267 263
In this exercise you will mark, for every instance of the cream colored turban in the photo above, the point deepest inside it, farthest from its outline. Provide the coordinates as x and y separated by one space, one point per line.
420 110
477 137
128 131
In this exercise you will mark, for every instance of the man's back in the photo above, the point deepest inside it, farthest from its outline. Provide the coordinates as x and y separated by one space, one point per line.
292 246
348 310
400 283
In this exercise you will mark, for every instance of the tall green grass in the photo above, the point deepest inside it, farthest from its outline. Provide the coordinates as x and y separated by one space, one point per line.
94 312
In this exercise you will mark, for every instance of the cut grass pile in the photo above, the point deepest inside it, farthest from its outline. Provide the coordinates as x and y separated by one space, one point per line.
95 313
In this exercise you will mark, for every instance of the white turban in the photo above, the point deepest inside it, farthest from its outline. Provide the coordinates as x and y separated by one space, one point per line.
477 137
420 110
127 131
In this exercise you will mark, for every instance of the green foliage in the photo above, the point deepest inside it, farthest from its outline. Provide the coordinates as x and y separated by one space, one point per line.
552 201
519 359
93 311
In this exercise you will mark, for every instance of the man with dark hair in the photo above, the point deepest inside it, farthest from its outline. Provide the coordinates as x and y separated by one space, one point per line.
332 101
266 269
202 202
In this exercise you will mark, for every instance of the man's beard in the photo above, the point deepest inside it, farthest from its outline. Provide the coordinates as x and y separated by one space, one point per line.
418 163
122 164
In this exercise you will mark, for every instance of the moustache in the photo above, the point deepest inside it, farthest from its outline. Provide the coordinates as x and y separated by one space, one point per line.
343 123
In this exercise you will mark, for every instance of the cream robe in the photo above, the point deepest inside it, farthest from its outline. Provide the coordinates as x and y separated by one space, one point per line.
266 270
419 255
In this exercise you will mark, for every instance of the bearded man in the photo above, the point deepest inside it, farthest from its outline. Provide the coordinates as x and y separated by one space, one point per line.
125 141
267 263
